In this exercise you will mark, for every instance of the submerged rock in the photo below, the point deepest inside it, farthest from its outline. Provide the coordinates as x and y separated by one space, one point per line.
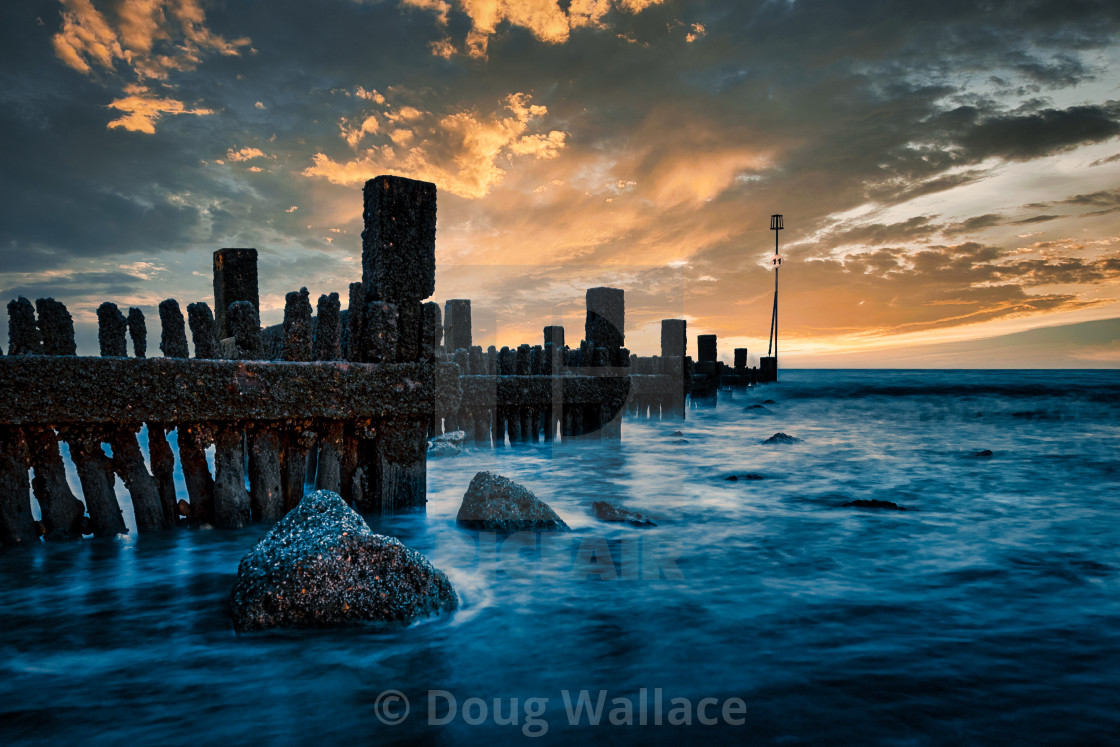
872 503
679 441
448 444
746 476
782 438
758 410
494 503
769 402
982 454
321 565
606 511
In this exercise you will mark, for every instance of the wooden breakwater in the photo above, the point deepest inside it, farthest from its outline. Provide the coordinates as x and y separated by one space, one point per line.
342 399
363 409
532 393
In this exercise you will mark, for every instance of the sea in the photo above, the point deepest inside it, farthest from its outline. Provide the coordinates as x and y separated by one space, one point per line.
760 609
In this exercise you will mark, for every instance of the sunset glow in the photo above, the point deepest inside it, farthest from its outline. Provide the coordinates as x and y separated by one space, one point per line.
949 174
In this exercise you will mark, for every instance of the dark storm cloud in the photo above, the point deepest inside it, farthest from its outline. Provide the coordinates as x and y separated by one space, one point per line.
1031 136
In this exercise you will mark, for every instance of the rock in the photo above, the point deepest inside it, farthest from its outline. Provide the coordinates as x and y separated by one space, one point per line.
747 476
448 444
873 503
322 566
781 438
769 402
677 433
605 511
497 504
983 454
758 410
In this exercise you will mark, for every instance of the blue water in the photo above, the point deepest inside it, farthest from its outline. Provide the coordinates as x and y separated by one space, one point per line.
987 612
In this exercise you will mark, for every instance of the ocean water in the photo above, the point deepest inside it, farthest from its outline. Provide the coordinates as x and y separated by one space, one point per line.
988 611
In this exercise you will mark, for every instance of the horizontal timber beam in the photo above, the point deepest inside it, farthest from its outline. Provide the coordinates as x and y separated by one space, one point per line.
66 390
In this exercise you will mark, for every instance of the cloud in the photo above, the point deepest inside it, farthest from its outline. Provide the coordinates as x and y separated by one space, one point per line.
142 109
879 132
466 152
146 40
153 37
1102 198
1020 137
244 154
548 21
444 48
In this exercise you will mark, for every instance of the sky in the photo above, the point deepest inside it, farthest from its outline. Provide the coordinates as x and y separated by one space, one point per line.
949 172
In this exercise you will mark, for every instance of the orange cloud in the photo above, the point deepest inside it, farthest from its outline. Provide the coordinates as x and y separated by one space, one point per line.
545 19
177 27
148 38
463 151
696 32
142 109
245 154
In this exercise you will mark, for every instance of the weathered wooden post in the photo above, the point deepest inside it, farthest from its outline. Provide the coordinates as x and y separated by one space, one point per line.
235 279
204 331
525 416
399 268
17 525
245 330
111 328
56 327
457 324
151 512
431 341
94 470
708 367
507 366
355 466
605 334
674 348
231 500
266 497
297 347
328 329
554 363
706 348
138 331
173 333
60 509
23 334
481 415
328 347
193 438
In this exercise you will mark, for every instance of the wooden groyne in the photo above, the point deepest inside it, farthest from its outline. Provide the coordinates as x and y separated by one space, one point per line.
357 417
342 399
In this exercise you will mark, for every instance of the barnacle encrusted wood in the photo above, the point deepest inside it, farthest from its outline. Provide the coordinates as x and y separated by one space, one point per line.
60 390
